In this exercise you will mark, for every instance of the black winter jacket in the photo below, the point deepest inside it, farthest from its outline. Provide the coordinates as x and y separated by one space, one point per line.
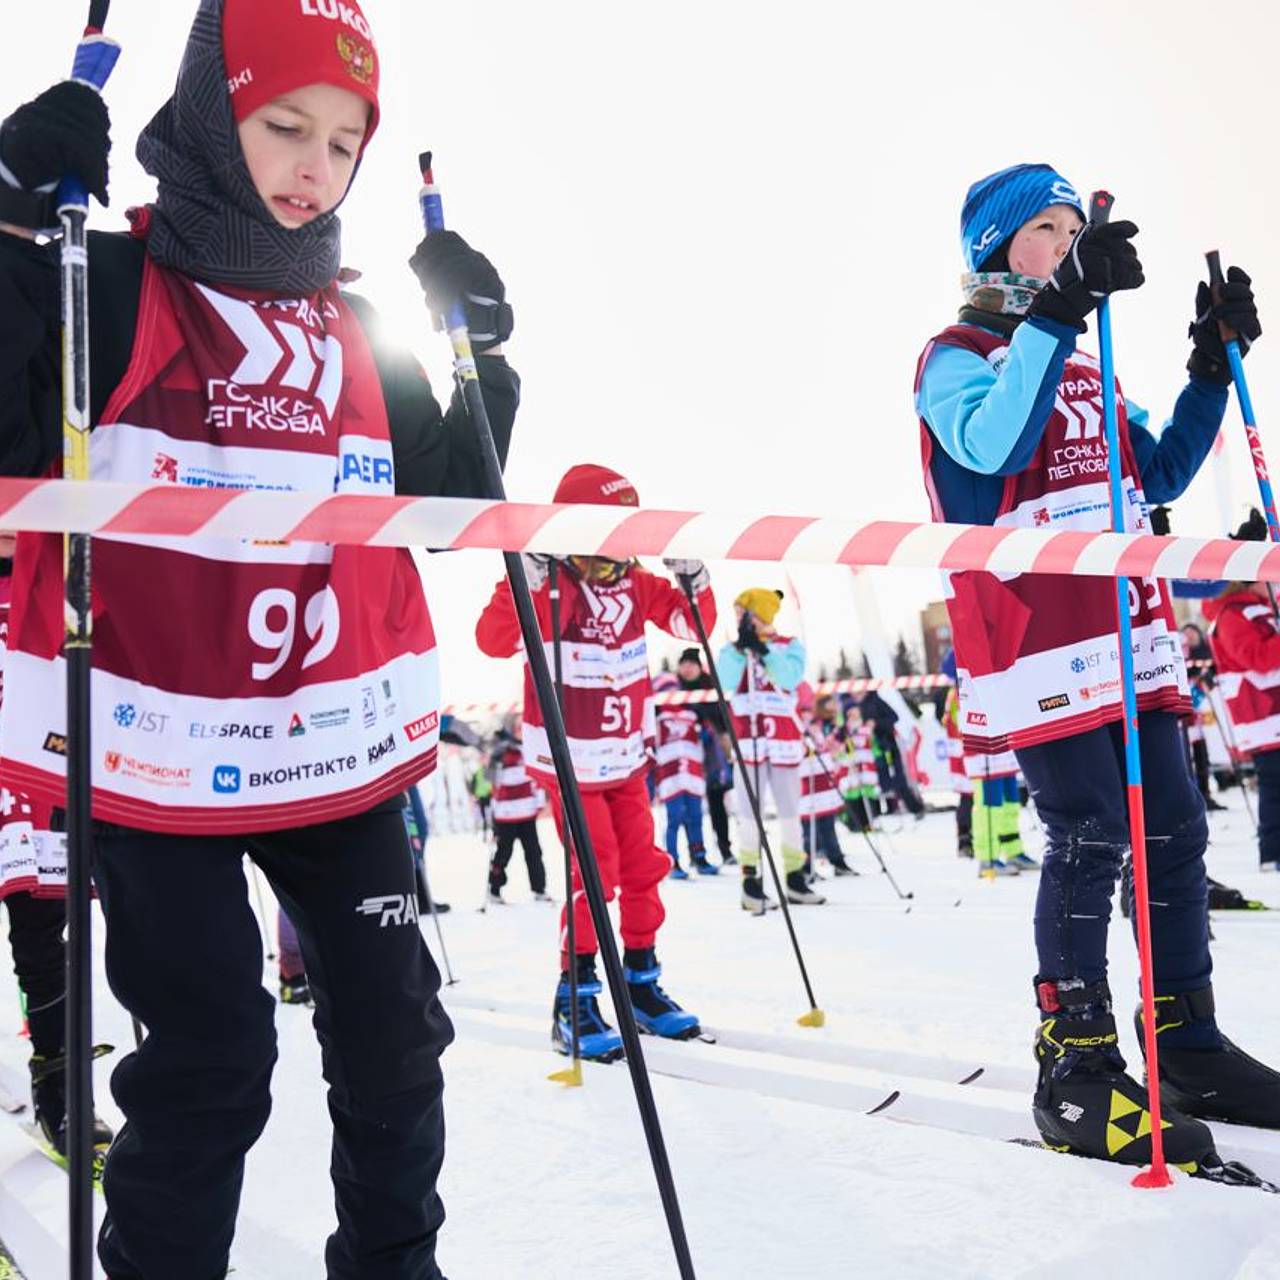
434 453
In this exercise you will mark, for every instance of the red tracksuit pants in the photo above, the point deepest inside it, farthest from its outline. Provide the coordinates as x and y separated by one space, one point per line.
631 866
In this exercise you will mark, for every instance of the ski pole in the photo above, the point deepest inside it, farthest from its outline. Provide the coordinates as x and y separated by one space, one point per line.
990 870
575 816
420 869
1231 341
815 1017
262 908
1227 734
95 58
1158 1175
572 1076
817 754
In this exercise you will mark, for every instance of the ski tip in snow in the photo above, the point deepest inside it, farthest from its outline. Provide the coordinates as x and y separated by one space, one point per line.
885 1104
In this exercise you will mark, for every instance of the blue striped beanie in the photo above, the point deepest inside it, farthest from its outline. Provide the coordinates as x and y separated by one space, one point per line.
996 206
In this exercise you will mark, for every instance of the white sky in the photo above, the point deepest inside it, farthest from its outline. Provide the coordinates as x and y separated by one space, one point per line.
728 227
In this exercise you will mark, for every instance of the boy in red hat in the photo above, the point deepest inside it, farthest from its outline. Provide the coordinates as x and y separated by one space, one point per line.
287 693
605 606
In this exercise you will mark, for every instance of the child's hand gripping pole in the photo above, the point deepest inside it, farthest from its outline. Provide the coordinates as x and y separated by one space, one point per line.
1158 1174
1235 360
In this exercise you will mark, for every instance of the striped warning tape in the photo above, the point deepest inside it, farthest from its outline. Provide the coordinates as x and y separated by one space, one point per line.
102 507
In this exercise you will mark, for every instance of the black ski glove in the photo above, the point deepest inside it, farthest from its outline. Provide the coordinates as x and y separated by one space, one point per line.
65 131
450 271
748 640
1254 528
1101 261
1236 309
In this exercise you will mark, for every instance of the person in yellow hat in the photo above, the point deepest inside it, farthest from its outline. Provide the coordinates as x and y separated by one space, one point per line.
759 671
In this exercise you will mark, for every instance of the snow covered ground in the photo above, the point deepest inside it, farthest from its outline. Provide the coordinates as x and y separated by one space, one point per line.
780 1171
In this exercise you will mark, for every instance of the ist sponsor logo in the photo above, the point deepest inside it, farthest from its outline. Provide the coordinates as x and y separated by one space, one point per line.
127 716
422 726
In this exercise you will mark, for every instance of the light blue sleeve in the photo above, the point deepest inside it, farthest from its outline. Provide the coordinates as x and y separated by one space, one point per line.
730 665
991 422
785 664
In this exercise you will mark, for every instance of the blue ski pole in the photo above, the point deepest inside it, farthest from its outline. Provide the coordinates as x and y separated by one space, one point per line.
95 58
574 814
1230 340
1158 1174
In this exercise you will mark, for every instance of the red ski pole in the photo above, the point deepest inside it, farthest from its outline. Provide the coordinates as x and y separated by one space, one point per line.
1158 1174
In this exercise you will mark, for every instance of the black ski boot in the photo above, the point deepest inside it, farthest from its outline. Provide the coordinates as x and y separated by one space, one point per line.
49 1101
597 1040
295 990
754 898
1215 1084
1085 1102
656 1012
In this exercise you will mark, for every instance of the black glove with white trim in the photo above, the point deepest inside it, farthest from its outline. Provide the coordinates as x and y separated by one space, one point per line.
65 131
450 271
1236 309
1100 261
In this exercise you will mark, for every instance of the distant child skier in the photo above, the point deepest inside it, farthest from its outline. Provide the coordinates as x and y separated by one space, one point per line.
717 751
1245 639
517 801
681 783
604 608
821 801
759 672
1011 434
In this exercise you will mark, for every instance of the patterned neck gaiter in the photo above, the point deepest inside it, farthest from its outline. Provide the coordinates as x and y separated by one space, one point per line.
208 221
1001 293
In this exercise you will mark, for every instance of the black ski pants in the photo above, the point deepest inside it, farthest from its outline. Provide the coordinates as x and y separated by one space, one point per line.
36 936
719 818
527 833
1267 766
184 956
1079 789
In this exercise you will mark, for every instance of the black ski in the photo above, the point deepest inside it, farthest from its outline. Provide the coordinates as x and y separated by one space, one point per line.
1227 1173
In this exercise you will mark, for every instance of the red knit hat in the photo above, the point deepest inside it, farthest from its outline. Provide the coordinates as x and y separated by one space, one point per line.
590 483
274 46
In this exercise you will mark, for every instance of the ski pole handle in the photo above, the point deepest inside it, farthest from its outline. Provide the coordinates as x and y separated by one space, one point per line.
95 59
429 200
1213 261
1100 207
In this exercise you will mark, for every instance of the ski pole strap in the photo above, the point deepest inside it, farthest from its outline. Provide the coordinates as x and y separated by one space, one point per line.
96 57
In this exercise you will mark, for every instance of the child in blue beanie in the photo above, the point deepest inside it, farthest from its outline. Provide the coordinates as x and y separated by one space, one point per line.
1011 430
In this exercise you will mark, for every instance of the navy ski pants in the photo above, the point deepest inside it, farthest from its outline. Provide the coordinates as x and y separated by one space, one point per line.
184 956
1079 789
1267 766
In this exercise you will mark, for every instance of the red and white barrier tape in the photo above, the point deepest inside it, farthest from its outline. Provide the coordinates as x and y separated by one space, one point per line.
455 523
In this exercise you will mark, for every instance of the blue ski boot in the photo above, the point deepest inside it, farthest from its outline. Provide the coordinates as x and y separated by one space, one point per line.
656 1012
597 1040
677 872
701 865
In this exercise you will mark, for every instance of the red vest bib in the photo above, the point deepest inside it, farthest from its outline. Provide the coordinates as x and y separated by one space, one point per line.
1036 653
515 796
679 754
237 686
764 716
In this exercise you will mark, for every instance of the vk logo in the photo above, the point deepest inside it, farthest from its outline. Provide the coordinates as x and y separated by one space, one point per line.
226 779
